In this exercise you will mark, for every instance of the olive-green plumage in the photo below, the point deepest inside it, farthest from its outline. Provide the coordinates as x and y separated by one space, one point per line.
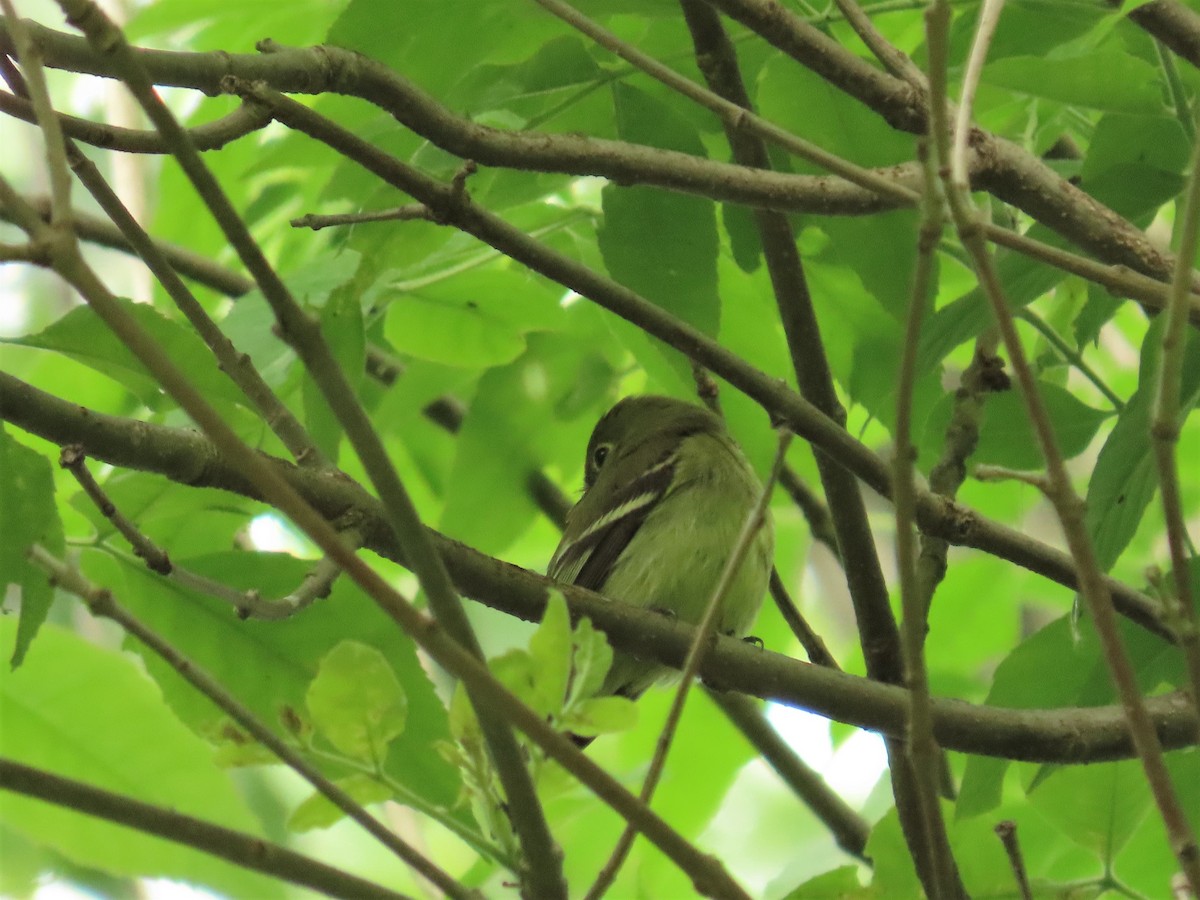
667 492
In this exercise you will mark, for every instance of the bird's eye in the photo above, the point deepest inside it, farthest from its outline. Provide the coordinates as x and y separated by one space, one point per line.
599 455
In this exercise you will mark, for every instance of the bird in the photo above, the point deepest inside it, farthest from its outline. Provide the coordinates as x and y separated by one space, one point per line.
666 493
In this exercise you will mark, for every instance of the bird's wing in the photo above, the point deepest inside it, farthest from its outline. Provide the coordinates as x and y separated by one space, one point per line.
588 560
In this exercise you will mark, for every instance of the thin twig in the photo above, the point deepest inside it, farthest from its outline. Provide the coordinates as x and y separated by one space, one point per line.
1070 354
1034 479
74 460
984 375
691 666
894 60
210 136
100 602
407 213
250 851
27 252
985 30
30 57
707 388
1164 431
1118 280
849 829
814 647
939 874
1007 832
815 512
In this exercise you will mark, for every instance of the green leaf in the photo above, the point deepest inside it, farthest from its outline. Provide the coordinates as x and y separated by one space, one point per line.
208 26
270 665
1044 671
533 86
1061 665
1101 306
450 323
536 412
1098 806
167 511
861 339
881 251
837 884
430 47
601 715
319 812
24 862
1151 142
593 658
1006 437
960 320
89 714
1101 79
550 653
342 328
27 516
662 245
1147 854
1029 27
83 336
796 98
894 874
517 672
464 724
744 243
1125 477
357 702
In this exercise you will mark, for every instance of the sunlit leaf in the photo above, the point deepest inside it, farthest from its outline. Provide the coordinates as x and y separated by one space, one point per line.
356 701
27 517
58 711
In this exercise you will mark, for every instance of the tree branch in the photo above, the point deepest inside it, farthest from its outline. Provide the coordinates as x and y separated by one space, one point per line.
1004 168
1001 167
1171 22
210 136
849 829
1063 735
248 851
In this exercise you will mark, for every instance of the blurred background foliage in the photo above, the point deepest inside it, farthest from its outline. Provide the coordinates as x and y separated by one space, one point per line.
532 366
